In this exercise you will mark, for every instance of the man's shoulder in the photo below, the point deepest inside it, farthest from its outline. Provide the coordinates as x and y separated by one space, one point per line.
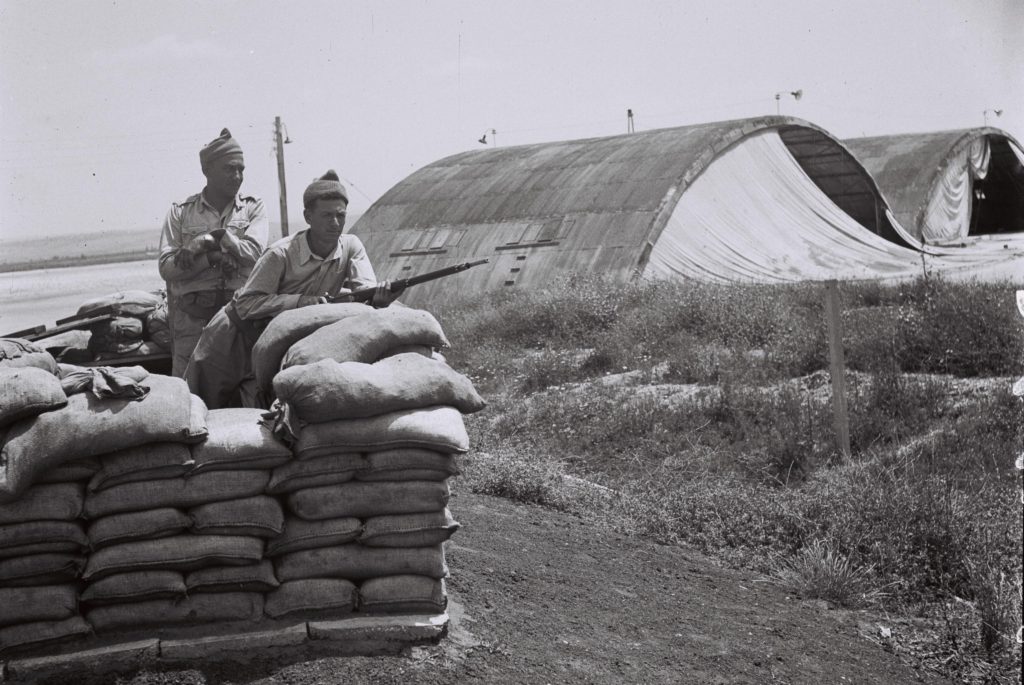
190 200
246 198
281 245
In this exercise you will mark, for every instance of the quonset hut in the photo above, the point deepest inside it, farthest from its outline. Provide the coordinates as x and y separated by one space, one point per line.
948 186
770 199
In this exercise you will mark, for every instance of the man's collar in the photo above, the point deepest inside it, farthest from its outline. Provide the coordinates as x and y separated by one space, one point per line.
305 253
237 201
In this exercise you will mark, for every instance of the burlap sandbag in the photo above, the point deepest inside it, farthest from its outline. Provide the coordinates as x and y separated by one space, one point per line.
41 569
329 390
41 537
123 303
26 392
88 426
137 525
55 502
238 440
407 464
259 516
206 607
309 473
79 470
356 562
19 353
408 530
175 553
41 633
367 337
135 586
433 428
43 603
155 461
251 578
289 327
368 499
181 493
301 534
311 598
404 594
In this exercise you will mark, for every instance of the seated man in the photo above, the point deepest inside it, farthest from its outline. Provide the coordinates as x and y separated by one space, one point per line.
303 269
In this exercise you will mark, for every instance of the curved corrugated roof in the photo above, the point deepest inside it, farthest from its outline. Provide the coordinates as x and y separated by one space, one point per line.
909 167
596 204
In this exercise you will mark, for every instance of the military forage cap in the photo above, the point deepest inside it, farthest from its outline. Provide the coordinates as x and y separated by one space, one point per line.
221 146
327 185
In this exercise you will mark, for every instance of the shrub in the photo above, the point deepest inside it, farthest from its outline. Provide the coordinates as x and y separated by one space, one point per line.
819 572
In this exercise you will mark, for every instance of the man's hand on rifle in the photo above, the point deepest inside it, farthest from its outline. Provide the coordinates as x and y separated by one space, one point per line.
383 296
186 256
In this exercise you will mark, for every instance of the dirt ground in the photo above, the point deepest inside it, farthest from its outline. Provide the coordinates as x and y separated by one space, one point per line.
542 597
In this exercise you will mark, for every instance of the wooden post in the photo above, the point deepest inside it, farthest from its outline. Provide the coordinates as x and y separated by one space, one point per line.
837 367
280 177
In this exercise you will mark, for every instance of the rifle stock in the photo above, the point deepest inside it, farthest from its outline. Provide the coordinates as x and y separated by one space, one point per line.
397 286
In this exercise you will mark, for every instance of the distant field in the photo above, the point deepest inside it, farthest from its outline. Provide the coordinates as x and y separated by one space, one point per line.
80 249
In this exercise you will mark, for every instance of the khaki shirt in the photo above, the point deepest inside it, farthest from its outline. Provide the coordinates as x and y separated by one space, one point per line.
289 270
245 217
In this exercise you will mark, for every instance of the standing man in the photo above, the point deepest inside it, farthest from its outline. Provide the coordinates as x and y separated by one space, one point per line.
314 266
208 246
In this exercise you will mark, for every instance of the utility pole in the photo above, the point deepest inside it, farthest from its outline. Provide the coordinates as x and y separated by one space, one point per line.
280 176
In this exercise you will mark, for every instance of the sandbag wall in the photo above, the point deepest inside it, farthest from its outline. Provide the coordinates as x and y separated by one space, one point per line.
114 518
379 424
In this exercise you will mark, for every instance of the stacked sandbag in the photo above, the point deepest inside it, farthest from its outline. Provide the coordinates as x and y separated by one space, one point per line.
138 327
47 462
42 552
178 532
18 353
366 497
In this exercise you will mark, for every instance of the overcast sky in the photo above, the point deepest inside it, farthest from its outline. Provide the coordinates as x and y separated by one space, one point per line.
104 105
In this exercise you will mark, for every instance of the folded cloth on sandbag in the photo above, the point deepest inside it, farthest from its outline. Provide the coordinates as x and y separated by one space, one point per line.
105 382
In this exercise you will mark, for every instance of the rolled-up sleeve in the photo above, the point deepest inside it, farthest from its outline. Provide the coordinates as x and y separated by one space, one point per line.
259 297
254 241
171 245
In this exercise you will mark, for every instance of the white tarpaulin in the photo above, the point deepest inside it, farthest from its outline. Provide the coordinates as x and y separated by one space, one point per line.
755 215
948 215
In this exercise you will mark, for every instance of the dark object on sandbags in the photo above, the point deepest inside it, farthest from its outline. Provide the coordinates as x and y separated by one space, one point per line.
367 337
204 607
119 335
18 353
135 586
403 594
252 578
289 327
301 534
440 429
408 530
311 598
368 499
89 426
157 330
327 390
26 392
356 562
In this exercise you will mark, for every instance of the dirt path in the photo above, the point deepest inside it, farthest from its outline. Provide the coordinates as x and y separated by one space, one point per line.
542 597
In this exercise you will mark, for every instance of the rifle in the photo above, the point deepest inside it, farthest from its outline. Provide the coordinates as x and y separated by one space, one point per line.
397 286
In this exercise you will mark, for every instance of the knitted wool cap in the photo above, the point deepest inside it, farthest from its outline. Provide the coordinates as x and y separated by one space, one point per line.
328 184
221 146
